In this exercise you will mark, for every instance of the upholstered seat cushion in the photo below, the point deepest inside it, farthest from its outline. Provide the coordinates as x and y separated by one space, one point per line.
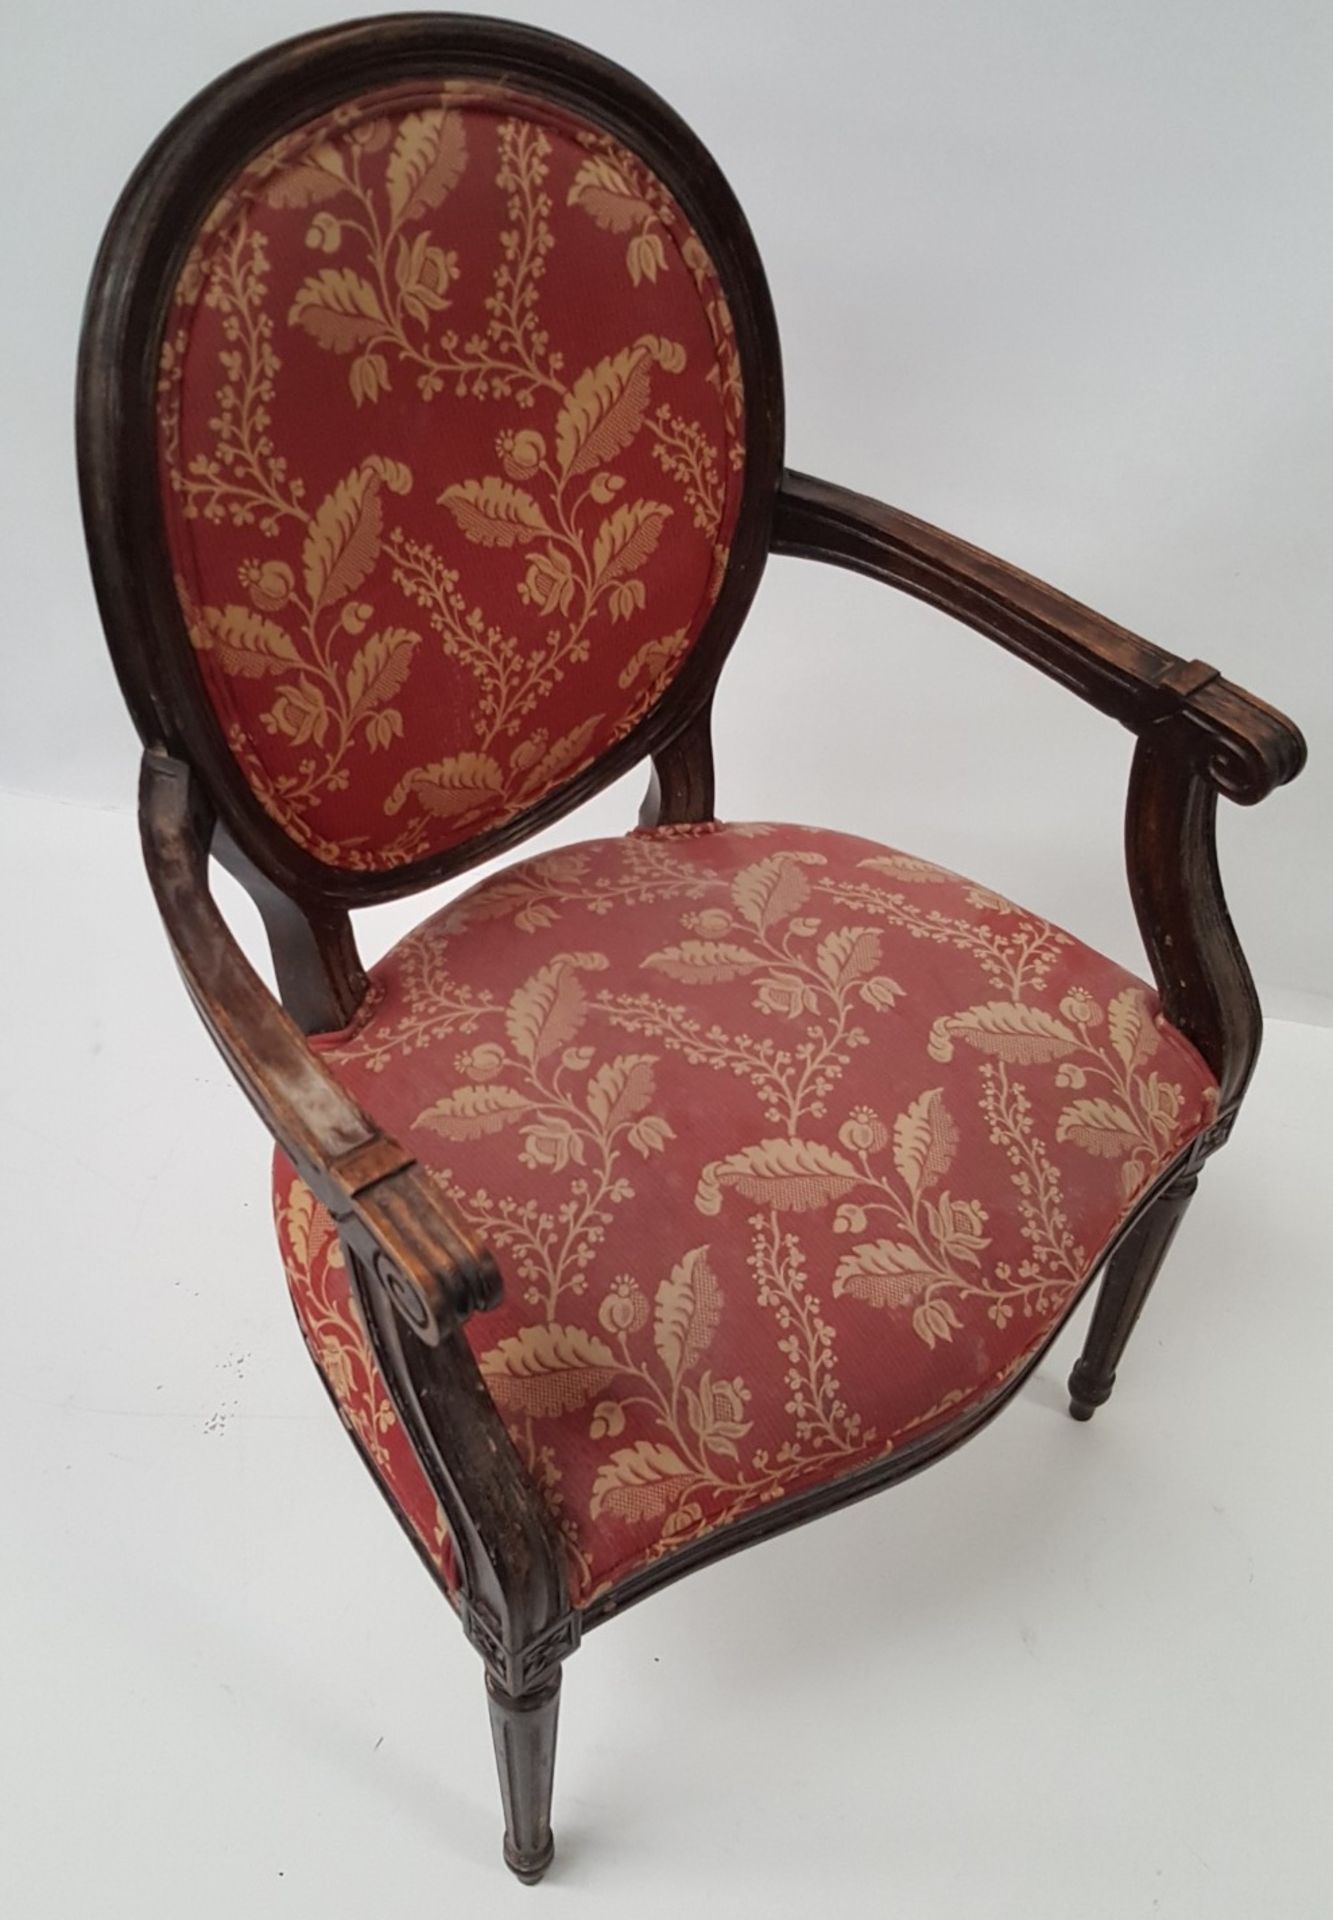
791 1149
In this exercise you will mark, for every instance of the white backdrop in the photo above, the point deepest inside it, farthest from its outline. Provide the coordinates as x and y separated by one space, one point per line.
1056 275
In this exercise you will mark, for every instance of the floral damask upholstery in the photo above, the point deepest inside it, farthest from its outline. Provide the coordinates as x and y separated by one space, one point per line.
450 430
790 1147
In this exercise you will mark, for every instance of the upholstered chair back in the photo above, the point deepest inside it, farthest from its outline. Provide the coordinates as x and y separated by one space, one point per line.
451 447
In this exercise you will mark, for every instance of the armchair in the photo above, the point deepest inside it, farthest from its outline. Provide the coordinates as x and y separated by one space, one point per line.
659 1193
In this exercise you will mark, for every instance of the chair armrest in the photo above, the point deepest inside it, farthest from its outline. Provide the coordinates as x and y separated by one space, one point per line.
1242 746
413 1263
418 1250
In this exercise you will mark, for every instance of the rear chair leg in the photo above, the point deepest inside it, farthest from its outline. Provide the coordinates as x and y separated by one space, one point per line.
1127 1283
523 1727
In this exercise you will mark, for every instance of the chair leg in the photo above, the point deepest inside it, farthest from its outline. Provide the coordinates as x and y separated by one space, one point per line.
1127 1283
523 1727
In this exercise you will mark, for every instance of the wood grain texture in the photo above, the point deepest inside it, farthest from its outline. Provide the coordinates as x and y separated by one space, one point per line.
1244 747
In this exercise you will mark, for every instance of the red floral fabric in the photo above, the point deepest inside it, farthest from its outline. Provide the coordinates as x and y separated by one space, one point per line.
450 433
790 1148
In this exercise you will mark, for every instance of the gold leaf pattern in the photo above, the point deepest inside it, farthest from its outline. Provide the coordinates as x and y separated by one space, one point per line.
688 1307
450 318
468 1112
429 154
450 789
792 1176
602 412
548 1370
1021 1034
704 961
754 1234
338 309
343 542
548 1009
494 512
244 642
925 1140
635 1483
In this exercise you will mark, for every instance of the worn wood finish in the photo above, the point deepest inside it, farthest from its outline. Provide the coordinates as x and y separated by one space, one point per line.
321 981
1243 747
1196 959
1130 1273
1198 736
417 1268
680 792
524 1728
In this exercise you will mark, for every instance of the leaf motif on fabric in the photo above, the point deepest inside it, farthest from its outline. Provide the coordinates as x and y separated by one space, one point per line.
621 1089
653 658
339 309
342 541
773 888
884 1273
1100 1127
470 1112
428 158
627 538
547 1011
848 953
450 789
793 1176
602 190
901 866
244 642
602 411
925 1140
1024 1035
689 1304
638 1483
319 176
562 758
494 512
704 962
543 1371
379 669
1132 1028
308 1227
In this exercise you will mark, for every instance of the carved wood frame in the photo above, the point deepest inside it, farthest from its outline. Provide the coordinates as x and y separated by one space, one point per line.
418 1270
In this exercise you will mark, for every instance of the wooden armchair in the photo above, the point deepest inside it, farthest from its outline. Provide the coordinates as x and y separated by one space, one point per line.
659 1193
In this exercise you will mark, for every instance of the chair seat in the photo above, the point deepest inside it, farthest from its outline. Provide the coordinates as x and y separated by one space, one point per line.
792 1149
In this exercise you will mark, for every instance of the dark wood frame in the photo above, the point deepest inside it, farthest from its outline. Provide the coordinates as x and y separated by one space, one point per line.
418 1270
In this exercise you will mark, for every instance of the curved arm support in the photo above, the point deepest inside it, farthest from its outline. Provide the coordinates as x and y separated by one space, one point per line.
680 789
1244 747
1171 856
417 1269
1198 736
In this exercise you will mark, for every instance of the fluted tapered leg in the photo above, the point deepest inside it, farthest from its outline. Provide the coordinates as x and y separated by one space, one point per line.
1126 1285
523 1727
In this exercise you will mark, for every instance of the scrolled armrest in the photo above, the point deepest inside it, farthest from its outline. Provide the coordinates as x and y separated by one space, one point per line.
417 1249
1242 746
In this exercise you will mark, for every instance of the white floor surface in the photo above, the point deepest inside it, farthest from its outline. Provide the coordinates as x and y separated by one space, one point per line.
1076 1672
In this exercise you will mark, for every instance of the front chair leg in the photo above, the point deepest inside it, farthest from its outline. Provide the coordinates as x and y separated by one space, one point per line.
523 1726
1130 1273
